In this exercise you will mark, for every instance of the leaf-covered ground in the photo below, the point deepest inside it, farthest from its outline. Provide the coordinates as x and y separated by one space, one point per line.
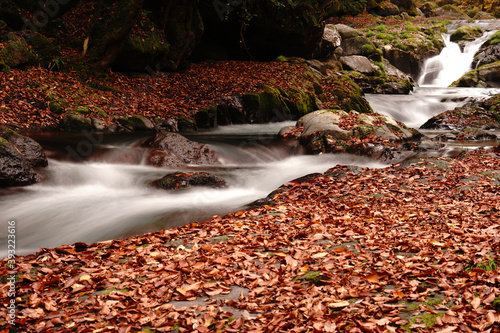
407 248
26 95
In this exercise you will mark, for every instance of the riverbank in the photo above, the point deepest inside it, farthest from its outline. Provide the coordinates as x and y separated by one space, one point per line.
409 247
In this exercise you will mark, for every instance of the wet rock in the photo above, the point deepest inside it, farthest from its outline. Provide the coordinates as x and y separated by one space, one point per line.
172 149
473 120
486 76
186 180
359 63
31 150
337 130
15 170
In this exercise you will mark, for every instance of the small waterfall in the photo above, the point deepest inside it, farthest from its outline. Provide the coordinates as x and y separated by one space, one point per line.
447 67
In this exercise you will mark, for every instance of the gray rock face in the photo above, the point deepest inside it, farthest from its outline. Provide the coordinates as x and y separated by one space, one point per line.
173 149
346 32
354 46
487 55
29 149
15 170
359 63
330 41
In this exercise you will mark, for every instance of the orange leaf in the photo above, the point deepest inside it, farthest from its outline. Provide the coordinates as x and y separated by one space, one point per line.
373 278
182 291
341 304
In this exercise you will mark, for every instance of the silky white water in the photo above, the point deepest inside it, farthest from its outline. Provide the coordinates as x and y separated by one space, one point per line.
92 201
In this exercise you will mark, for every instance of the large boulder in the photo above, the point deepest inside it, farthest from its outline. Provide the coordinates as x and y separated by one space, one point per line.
172 149
337 131
353 43
344 93
359 63
28 148
329 42
15 170
15 53
186 180
385 8
487 55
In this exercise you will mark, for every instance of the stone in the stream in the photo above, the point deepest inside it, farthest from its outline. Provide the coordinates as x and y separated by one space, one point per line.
338 131
27 147
15 170
173 149
185 180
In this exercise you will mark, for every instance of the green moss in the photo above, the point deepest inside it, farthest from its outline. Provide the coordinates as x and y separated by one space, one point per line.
76 123
495 38
281 59
16 53
429 320
311 277
367 49
487 265
82 110
100 112
466 33
496 303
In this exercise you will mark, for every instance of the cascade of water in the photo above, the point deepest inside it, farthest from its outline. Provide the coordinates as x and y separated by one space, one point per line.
447 67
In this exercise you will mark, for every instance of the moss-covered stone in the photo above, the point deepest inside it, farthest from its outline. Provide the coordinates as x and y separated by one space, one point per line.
56 107
466 33
265 106
16 53
45 49
136 122
346 94
76 123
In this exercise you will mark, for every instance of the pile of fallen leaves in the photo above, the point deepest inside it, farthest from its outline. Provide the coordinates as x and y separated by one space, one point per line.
407 248
26 94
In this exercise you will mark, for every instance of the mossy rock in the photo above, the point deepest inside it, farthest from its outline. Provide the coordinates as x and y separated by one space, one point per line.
16 53
45 49
85 110
347 94
466 33
265 106
136 122
72 122
56 107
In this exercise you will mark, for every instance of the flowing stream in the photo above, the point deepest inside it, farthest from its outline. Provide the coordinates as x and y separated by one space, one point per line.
106 195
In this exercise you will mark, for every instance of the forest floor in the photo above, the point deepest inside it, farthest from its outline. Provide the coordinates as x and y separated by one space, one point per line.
406 248
26 95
